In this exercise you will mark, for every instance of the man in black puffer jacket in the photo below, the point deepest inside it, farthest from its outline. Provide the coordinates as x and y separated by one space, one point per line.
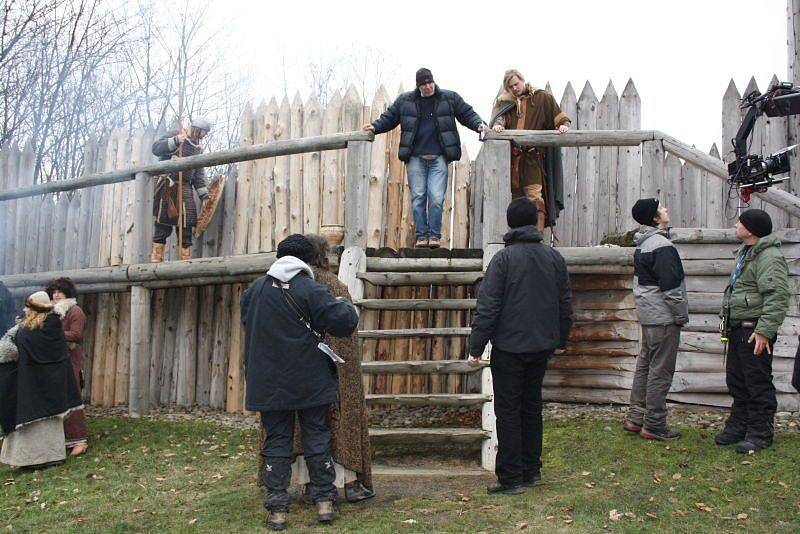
428 142
525 310
286 372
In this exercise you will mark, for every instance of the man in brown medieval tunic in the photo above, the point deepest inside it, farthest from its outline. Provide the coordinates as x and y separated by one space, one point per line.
535 172
165 202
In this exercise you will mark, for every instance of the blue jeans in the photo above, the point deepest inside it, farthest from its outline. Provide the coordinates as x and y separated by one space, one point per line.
427 179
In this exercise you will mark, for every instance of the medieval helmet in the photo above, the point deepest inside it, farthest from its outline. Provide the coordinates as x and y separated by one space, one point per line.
202 123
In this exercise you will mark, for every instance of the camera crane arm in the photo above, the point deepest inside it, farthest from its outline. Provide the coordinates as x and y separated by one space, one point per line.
749 172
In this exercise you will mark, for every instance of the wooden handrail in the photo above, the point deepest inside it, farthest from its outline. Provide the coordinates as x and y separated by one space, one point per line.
287 147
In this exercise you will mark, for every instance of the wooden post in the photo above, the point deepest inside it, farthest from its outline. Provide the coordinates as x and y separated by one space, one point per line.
587 171
607 200
497 189
567 222
312 192
356 193
628 164
793 42
488 419
139 377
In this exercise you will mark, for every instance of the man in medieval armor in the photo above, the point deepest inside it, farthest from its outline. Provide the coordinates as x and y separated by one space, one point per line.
168 205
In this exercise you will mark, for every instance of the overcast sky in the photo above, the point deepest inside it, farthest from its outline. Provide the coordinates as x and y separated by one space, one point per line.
680 54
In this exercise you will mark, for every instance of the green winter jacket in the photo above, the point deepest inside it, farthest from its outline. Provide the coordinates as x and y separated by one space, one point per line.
762 289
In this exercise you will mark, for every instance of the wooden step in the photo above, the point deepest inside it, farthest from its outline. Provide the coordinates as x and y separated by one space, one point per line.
421 367
432 399
424 264
417 304
414 471
421 279
411 436
413 332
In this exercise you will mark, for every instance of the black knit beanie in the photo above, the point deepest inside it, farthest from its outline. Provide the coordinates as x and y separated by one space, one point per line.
521 212
757 221
424 76
645 210
298 246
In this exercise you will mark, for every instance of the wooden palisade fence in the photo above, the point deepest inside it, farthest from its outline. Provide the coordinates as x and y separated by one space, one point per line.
349 188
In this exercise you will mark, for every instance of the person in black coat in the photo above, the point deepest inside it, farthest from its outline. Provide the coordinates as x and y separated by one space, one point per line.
429 140
284 315
8 311
525 309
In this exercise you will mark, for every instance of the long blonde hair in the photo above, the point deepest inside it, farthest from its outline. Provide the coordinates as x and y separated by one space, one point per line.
33 319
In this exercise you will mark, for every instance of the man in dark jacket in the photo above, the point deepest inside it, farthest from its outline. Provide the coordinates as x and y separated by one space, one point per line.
429 140
165 201
660 292
525 310
754 306
284 312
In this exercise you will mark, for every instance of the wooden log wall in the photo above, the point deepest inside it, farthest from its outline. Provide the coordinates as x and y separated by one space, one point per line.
601 355
700 370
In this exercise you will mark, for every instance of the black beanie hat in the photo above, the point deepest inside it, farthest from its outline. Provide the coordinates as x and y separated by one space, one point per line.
645 210
298 246
758 222
521 212
424 76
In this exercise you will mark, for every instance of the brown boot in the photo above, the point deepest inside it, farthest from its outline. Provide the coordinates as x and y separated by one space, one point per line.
186 253
325 511
157 253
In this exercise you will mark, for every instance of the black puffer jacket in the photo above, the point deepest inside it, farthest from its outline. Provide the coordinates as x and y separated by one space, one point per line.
284 369
449 107
525 300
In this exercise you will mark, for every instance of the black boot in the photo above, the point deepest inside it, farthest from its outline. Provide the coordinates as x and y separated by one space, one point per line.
729 437
507 489
532 479
356 491
753 444
660 435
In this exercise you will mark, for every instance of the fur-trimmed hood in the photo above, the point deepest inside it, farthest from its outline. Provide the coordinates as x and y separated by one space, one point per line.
504 95
62 307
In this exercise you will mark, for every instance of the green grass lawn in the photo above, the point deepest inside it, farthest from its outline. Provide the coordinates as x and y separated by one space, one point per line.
156 476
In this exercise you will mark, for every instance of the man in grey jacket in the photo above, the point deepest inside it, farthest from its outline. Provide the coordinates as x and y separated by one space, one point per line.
660 291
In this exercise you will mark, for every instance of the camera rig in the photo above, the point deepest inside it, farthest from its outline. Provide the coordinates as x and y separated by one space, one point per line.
754 173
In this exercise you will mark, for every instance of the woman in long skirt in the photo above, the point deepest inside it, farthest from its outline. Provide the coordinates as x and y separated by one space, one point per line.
73 321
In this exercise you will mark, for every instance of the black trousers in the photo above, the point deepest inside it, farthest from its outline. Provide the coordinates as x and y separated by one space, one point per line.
162 231
277 453
749 380
517 383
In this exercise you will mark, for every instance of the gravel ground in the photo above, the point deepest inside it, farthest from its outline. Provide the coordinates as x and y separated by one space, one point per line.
439 416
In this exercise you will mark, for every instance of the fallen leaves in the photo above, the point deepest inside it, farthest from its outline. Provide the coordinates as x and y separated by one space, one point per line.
410 521
704 507
614 515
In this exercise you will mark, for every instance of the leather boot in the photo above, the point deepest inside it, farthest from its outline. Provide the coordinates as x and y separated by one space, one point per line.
186 253
276 521
325 511
157 253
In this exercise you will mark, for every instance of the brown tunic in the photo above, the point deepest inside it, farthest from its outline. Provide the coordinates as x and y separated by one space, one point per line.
348 418
536 110
74 322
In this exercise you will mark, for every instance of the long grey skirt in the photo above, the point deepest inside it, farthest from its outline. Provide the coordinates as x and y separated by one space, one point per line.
35 443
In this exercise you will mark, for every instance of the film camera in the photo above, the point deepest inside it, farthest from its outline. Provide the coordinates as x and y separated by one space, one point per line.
754 173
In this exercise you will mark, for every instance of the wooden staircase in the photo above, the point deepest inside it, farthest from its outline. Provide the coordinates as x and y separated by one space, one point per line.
369 277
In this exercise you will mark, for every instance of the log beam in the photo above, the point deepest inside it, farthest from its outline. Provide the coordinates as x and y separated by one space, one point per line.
273 149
